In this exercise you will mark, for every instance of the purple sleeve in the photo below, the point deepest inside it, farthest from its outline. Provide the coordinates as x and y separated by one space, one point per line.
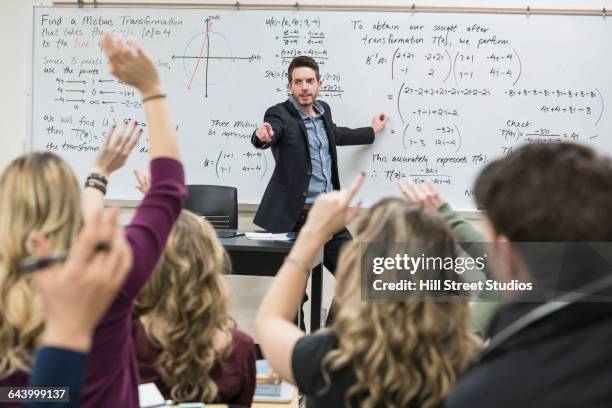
154 218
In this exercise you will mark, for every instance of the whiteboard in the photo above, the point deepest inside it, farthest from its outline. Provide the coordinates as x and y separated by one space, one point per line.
461 89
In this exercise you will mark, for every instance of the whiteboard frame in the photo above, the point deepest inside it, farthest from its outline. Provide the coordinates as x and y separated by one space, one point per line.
342 7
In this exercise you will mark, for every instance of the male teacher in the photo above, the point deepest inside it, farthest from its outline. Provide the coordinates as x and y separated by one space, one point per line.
303 138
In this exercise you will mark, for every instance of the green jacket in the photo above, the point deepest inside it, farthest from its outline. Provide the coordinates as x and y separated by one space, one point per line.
473 242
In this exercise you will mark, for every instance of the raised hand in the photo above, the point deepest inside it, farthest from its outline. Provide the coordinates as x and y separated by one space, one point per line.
143 179
116 148
130 63
331 211
424 193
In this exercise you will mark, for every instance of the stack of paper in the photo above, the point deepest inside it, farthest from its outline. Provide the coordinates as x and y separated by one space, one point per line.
268 236
149 396
269 388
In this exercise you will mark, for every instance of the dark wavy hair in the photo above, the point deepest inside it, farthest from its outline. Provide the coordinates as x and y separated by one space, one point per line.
303 61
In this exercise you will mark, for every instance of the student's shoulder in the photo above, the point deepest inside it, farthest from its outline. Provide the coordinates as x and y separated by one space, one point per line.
319 342
241 339
306 358
243 346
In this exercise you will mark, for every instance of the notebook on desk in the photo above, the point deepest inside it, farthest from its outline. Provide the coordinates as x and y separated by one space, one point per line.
149 396
268 389
269 236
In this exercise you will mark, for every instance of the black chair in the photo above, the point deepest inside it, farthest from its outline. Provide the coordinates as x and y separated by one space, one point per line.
219 204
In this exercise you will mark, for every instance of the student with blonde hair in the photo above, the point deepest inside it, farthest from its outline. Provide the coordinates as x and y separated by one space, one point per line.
185 339
75 296
39 192
376 354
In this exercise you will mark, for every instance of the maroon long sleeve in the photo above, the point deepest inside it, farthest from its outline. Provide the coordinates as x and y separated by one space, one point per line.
234 375
112 371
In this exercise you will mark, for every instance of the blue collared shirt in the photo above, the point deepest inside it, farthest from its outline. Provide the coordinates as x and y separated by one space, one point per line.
320 157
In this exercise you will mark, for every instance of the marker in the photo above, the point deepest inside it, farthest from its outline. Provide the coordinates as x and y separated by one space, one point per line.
34 263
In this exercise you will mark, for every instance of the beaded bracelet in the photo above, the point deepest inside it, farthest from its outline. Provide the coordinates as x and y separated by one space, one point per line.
99 177
97 184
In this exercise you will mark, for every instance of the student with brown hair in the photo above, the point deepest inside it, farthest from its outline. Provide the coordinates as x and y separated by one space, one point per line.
543 352
185 340
39 191
376 354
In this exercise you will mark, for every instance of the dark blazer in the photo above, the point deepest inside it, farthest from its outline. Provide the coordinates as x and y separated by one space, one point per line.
284 197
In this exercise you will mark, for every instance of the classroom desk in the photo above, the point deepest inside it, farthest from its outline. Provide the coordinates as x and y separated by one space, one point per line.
264 258
293 404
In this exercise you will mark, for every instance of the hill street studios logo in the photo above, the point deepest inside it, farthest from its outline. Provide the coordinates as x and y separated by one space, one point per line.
525 271
443 271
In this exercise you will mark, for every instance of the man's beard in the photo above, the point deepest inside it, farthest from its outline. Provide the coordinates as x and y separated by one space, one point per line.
314 98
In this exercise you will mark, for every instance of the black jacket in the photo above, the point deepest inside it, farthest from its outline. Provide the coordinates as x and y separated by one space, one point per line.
565 360
284 197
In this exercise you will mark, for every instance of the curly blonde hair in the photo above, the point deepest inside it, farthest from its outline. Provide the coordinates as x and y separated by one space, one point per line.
38 191
402 353
187 293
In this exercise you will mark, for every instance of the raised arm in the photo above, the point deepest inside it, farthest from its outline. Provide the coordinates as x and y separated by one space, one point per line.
276 332
134 67
161 206
471 240
112 155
